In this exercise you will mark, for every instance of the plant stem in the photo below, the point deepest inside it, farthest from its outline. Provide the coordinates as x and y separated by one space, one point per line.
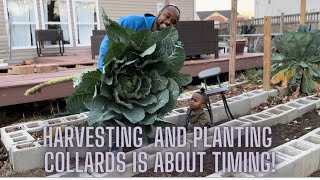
39 87
301 79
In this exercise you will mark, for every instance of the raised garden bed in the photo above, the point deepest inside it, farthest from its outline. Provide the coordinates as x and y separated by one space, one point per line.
281 134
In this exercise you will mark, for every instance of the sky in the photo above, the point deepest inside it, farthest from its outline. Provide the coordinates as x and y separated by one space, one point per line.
245 9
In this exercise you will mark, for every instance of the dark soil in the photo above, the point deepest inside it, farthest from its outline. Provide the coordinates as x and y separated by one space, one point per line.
31 111
281 134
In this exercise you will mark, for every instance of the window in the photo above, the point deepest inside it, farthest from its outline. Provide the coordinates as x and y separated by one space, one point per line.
55 15
216 24
86 19
21 15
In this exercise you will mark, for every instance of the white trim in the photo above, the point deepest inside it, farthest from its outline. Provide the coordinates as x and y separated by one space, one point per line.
5 8
51 46
75 23
52 23
98 14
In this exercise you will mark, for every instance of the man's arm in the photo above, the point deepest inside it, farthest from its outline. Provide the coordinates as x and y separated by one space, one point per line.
103 50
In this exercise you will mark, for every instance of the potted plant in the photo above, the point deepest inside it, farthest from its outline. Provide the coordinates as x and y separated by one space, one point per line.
240 44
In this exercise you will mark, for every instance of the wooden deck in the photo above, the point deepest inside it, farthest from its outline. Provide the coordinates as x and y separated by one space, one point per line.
245 61
12 87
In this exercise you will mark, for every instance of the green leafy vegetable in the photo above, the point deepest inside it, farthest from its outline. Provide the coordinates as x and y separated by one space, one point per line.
141 79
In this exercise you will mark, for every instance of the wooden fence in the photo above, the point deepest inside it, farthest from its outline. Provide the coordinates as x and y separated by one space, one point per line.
278 23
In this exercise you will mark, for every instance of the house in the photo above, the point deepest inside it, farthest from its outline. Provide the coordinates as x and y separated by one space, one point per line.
276 7
77 18
220 18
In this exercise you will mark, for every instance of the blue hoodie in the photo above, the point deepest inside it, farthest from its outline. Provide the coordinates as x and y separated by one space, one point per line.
134 22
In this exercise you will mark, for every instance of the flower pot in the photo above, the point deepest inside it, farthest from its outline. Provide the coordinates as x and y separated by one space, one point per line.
240 44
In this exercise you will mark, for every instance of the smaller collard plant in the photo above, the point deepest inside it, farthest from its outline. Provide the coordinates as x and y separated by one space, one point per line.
140 81
297 62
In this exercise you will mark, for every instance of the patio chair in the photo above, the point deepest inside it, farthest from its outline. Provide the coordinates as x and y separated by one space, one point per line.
222 89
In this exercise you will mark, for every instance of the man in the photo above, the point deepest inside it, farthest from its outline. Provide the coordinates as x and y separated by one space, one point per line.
168 16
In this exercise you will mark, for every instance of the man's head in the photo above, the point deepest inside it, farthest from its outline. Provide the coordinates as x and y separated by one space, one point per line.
168 16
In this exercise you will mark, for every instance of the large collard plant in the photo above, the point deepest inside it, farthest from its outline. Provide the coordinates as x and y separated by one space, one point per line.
140 81
298 59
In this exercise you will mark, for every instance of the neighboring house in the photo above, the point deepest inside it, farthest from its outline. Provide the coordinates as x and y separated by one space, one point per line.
276 7
77 19
220 18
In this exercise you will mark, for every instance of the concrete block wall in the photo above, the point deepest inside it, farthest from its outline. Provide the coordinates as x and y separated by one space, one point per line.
15 137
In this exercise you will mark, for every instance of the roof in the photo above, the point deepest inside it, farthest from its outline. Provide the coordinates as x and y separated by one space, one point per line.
204 14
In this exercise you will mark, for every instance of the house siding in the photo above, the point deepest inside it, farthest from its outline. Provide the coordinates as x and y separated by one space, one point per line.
114 8
276 7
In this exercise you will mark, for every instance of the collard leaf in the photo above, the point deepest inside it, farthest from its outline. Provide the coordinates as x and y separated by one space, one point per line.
143 40
307 85
115 32
119 101
89 80
163 98
75 102
145 87
150 99
134 115
180 78
149 51
149 119
175 60
158 82
174 94
97 117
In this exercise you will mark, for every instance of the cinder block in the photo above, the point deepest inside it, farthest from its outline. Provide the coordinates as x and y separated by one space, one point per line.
172 117
26 158
35 125
307 105
312 160
15 138
218 112
182 115
260 96
57 122
315 99
281 116
259 121
238 105
76 119
236 123
12 128
284 167
290 113
273 93
298 157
